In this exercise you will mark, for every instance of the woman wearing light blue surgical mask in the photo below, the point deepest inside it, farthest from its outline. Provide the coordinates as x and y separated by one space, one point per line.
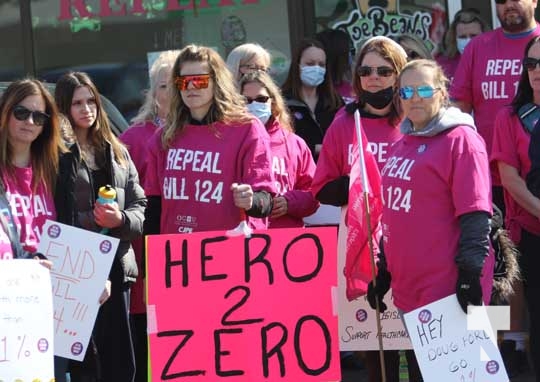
292 163
466 25
310 94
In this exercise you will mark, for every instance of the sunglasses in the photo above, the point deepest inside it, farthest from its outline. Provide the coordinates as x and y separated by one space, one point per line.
383 71
530 63
199 81
500 2
21 113
425 91
261 99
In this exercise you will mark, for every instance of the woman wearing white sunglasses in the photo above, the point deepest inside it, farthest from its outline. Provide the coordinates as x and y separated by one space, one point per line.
436 176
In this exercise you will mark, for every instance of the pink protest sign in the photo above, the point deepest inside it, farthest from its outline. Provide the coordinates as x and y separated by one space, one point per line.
244 309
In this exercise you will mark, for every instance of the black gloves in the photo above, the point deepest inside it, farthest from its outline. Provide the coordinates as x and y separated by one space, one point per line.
383 280
468 289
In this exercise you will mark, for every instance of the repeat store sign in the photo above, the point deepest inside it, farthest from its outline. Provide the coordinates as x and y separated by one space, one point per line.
244 309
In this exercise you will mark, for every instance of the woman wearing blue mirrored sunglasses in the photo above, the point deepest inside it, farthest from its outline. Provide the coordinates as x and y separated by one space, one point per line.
436 185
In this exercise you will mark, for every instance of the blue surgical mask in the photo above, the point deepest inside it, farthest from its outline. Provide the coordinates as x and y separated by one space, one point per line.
261 110
312 75
462 43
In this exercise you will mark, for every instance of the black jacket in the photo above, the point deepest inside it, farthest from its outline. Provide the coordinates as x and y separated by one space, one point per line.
75 197
310 126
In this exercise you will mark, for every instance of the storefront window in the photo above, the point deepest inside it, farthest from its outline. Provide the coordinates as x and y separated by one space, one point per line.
11 48
426 19
111 40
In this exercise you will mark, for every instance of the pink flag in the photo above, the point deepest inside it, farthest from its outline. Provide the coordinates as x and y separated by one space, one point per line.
358 261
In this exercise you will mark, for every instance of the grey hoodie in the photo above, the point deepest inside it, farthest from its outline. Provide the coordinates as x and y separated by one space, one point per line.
446 119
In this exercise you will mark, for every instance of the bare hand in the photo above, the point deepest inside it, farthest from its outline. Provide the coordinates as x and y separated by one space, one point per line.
46 263
107 215
242 195
106 293
280 207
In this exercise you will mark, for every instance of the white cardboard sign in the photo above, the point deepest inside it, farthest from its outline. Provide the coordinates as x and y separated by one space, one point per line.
81 264
26 323
358 322
446 351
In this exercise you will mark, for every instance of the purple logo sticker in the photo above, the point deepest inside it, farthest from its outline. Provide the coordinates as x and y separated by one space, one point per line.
105 246
492 367
76 348
54 231
361 315
43 345
424 316
298 115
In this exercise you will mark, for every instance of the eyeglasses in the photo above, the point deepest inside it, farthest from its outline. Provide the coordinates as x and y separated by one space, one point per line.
424 91
199 81
254 68
383 71
21 113
261 99
531 63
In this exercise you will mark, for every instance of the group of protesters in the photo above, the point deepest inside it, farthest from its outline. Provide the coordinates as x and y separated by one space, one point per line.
217 144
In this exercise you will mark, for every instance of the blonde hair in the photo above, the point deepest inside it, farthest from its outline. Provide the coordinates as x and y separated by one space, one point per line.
227 106
149 109
439 78
280 112
244 53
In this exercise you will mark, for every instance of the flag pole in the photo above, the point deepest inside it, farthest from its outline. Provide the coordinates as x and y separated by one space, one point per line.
367 214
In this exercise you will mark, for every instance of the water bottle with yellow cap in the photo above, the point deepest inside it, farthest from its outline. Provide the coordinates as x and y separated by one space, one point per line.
106 195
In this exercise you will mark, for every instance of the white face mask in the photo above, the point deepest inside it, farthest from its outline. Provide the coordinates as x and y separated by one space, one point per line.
261 110
462 43
312 75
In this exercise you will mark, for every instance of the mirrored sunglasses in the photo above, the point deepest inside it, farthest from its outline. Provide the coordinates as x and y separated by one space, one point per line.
21 113
383 71
199 81
530 63
261 99
426 91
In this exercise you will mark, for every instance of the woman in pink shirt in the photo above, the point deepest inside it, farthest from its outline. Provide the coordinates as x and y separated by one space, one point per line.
437 207
209 166
515 151
292 163
30 142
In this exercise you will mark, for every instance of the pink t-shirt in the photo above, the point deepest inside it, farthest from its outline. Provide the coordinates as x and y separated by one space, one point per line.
136 139
511 146
30 209
194 175
336 154
449 65
487 76
428 182
293 168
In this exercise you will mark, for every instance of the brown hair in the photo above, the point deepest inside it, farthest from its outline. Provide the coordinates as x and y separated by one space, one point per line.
101 131
45 149
228 105
279 109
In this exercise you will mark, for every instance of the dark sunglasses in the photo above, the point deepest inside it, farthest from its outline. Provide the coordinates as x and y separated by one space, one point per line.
530 63
261 99
21 113
383 71
199 81
425 91
500 2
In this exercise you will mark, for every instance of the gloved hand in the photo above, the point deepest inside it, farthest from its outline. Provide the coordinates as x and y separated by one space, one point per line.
377 292
468 289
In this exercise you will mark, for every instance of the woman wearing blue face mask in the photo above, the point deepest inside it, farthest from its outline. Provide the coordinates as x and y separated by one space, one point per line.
466 25
292 163
310 94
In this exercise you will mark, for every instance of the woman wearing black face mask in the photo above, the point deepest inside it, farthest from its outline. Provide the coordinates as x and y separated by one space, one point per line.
374 81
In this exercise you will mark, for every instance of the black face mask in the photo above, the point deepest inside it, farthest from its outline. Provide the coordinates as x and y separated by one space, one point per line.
380 99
